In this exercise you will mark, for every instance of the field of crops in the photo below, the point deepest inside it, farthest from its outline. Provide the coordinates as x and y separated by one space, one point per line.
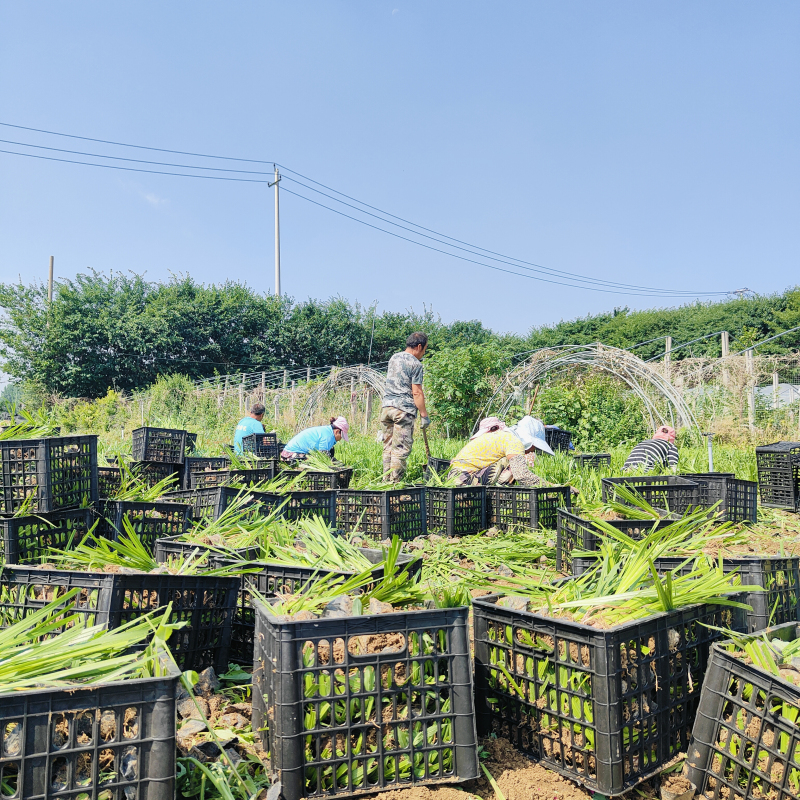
177 621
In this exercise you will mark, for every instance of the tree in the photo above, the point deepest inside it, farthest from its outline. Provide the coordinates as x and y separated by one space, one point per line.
458 383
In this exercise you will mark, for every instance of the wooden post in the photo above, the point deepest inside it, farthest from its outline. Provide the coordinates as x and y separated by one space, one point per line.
225 388
751 407
292 398
263 386
241 397
353 399
751 389
725 341
368 410
775 391
308 374
285 377
277 408
668 357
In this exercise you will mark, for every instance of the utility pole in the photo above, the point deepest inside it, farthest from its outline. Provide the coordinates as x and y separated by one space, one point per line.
277 234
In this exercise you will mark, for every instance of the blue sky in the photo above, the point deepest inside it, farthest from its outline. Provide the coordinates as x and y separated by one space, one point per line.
645 143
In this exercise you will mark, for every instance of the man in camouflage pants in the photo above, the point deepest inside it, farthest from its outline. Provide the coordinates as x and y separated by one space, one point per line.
402 399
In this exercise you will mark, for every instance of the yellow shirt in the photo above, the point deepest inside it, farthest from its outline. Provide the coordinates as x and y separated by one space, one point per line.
486 450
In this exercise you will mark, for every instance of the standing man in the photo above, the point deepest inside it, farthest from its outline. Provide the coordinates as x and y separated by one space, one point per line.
401 401
248 425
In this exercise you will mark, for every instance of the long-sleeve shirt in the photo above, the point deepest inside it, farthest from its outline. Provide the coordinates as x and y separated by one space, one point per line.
651 452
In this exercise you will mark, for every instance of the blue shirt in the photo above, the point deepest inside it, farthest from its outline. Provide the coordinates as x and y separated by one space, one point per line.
246 427
320 437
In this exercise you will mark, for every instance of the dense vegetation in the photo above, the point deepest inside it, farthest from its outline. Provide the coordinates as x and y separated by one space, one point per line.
121 331
747 321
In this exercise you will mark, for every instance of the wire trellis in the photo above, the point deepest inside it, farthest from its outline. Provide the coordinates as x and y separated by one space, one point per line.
662 402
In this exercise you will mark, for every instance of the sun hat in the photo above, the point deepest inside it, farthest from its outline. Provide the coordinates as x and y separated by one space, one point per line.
531 431
342 424
486 425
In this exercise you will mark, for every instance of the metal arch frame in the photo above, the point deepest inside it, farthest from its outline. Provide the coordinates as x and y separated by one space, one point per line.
622 364
340 378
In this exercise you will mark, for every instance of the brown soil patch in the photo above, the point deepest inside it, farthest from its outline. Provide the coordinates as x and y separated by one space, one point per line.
518 779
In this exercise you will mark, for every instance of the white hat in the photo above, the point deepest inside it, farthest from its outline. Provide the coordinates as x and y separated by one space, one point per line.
531 432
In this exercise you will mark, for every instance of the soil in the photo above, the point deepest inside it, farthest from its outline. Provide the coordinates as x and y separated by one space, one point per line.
676 784
518 779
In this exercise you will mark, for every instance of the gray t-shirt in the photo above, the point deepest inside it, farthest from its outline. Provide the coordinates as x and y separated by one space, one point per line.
404 369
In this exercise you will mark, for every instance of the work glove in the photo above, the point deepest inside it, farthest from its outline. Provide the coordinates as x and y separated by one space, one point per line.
424 422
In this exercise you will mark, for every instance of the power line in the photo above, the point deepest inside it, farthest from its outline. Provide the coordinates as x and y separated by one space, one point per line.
575 280
135 160
547 270
133 169
137 146
504 259
355 219
480 263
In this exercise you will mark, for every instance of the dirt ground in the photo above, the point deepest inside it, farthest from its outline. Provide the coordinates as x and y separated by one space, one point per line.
518 779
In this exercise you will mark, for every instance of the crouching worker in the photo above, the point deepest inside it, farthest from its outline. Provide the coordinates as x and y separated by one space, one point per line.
659 451
320 437
496 454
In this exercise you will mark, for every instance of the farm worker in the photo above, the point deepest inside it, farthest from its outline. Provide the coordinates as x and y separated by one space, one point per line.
320 437
402 398
660 450
497 454
249 425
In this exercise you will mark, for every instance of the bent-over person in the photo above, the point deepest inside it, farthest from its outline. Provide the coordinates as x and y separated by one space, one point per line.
658 451
495 455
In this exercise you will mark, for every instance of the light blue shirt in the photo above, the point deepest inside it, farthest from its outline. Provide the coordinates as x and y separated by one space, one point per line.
246 427
320 437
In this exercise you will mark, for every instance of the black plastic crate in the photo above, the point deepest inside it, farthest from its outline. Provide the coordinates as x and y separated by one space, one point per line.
576 533
109 481
213 501
592 460
194 464
102 740
176 546
262 445
557 438
519 506
287 578
387 513
206 603
441 466
738 499
606 708
152 472
779 475
58 472
150 520
250 476
745 742
338 478
778 576
456 512
27 540
668 492
420 684
310 503
161 444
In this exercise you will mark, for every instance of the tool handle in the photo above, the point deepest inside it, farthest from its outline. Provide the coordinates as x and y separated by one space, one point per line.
425 439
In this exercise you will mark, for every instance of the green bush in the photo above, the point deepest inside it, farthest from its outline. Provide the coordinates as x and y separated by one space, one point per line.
598 410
